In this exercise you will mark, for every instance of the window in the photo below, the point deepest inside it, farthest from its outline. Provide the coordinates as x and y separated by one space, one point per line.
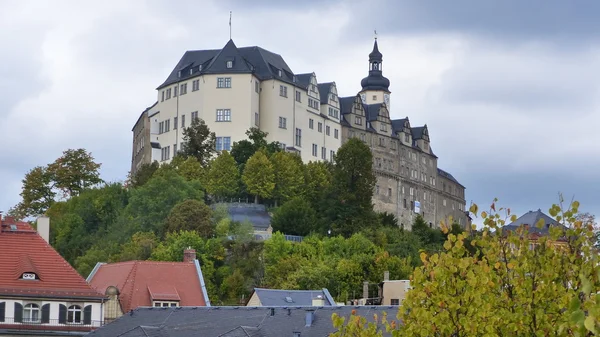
327 130
405 206
168 93
406 139
383 127
175 89
350 134
411 191
223 115
74 314
331 154
358 120
374 97
323 153
282 123
256 120
256 86
223 82
298 137
165 304
195 85
313 103
311 123
336 133
167 125
194 115
223 143
389 192
314 150
31 313
174 149
444 202
333 112
229 64
163 96
423 160
393 144
320 127
298 96
394 301
161 127
363 137
182 121
165 153
433 182
283 91
382 141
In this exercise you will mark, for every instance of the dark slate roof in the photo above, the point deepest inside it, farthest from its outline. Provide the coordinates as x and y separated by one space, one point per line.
372 111
398 124
144 114
254 213
531 218
278 297
448 176
304 79
236 321
324 89
346 104
417 132
262 63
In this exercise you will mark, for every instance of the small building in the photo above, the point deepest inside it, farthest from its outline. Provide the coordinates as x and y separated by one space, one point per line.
529 222
298 298
40 293
393 292
291 321
132 284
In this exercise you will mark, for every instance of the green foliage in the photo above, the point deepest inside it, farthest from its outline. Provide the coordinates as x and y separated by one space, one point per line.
317 180
289 177
143 174
150 204
259 176
244 149
198 142
223 177
71 173
295 217
191 215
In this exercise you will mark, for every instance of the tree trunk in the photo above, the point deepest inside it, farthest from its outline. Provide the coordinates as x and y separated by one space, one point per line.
256 199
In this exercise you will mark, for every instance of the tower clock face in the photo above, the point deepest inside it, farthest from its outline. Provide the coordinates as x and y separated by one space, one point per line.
386 99
363 96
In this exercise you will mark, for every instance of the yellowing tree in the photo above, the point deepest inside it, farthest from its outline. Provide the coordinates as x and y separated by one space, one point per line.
259 176
512 286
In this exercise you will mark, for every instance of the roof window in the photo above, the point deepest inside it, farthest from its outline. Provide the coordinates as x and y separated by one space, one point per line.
288 299
229 64
29 276
279 72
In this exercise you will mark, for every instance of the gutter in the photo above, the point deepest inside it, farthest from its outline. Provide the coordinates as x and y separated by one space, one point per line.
202 284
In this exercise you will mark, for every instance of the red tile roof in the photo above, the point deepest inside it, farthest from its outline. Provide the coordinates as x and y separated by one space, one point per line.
141 282
23 250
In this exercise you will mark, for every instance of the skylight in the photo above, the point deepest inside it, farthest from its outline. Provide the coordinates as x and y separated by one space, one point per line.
288 299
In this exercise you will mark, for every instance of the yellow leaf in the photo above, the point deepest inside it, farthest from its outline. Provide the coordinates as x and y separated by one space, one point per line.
510 265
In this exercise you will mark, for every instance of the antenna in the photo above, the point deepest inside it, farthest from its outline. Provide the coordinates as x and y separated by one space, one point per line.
230 25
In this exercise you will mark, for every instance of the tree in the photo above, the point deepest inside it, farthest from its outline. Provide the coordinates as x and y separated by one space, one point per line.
352 188
223 176
198 142
295 217
74 171
257 139
191 215
516 284
289 178
37 194
143 174
258 176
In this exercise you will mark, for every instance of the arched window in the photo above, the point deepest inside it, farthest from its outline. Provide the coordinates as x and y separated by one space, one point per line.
74 314
31 313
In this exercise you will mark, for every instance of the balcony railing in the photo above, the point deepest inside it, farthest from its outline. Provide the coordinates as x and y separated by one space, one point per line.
51 325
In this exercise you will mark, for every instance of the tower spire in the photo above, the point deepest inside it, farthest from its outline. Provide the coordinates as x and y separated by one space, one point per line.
375 31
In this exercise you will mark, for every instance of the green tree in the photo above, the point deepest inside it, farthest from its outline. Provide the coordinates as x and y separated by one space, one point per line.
353 183
289 177
139 247
295 217
191 215
259 176
223 176
198 142
36 195
74 171
143 174
257 139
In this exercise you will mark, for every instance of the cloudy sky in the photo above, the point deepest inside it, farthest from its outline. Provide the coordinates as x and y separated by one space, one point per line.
509 89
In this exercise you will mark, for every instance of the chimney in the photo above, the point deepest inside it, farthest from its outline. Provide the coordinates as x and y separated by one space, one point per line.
386 275
189 255
309 317
43 228
366 289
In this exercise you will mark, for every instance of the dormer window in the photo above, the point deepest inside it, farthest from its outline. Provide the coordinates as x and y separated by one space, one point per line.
279 72
179 74
200 68
159 304
29 276
191 71
229 64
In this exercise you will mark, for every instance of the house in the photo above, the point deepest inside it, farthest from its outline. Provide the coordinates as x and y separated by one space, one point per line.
529 222
40 293
132 284
276 297
278 321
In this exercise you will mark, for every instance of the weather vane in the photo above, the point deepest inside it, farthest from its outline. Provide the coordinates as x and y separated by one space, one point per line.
375 31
